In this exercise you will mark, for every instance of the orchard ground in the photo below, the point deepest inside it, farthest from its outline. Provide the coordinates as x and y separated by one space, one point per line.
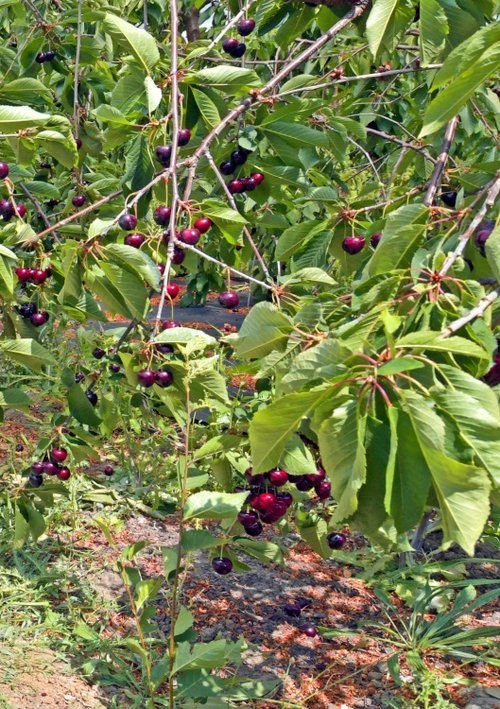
71 576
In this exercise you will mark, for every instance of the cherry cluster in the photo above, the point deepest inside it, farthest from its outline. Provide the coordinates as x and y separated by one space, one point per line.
233 46
43 57
354 244
37 276
148 377
51 465
8 210
294 610
29 311
164 152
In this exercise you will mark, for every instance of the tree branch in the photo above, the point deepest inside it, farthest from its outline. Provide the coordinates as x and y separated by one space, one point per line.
435 180
476 312
403 143
490 200
38 208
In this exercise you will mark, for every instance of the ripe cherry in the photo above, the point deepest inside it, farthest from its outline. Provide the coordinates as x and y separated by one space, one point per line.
58 455
229 44
79 200
146 377
253 530
353 244
222 565
239 156
21 210
63 473
79 143
91 396
128 222
173 290
278 477
109 470
323 489
449 198
114 367
163 153
189 236
178 256
203 224
24 274
164 378
303 483
168 324
183 136
229 299
37 468
265 502
4 168
39 319
336 540
98 353
246 27
286 497
227 167
41 57
309 630
26 310
38 275
258 177
50 468
164 348
374 240
247 518
292 609
235 186
19 447
239 50
136 239
249 184
35 480
79 377
49 55
161 215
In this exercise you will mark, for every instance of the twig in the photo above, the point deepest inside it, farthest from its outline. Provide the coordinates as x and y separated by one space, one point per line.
233 204
360 77
490 200
76 79
403 143
36 12
476 312
201 253
435 180
38 207
229 25
372 164
77 215
174 108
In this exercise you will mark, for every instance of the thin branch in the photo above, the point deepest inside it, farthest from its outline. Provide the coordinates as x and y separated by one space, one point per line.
476 312
76 79
36 12
490 200
38 208
403 143
76 215
372 164
435 180
230 25
233 204
360 77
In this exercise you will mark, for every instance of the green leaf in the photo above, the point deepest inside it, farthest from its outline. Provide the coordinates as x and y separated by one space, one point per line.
60 146
184 621
214 505
297 459
185 335
153 94
379 20
25 91
434 342
201 655
224 77
136 261
400 364
296 134
272 427
194 539
296 237
81 408
401 237
325 361
137 40
27 352
341 445
492 250
433 30
139 167
14 399
308 275
130 287
14 118
208 109
267 552
145 590
264 329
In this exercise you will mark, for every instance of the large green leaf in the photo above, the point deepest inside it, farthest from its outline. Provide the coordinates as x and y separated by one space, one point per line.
264 329
492 250
136 261
296 237
435 342
135 39
378 23
27 352
272 427
342 449
25 91
130 287
433 30
139 167
214 505
224 77
296 133
81 408
14 118
322 362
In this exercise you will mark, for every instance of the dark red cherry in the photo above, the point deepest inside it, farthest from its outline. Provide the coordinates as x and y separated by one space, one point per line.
35 480
164 348
161 215
229 44
63 473
189 236
39 319
168 324
183 136
79 200
336 540
136 239
203 224
79 143
227 167
286 497
41 57
258 177
309 630
37 468
253 530
249 184
58 455
172 290
265 501
303 483
278 477
146 377
21 210
50 468
374 240
98 352
4 168
229 299
235 186
323 489
353 244
239 156
246 518
164 378
178 256
163 153
239 50
222 565
38 275
91 396
114 367
128 222
109 470
24 274
49 55
246 27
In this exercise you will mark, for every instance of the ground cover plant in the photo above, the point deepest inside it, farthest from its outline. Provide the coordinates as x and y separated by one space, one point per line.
317 182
